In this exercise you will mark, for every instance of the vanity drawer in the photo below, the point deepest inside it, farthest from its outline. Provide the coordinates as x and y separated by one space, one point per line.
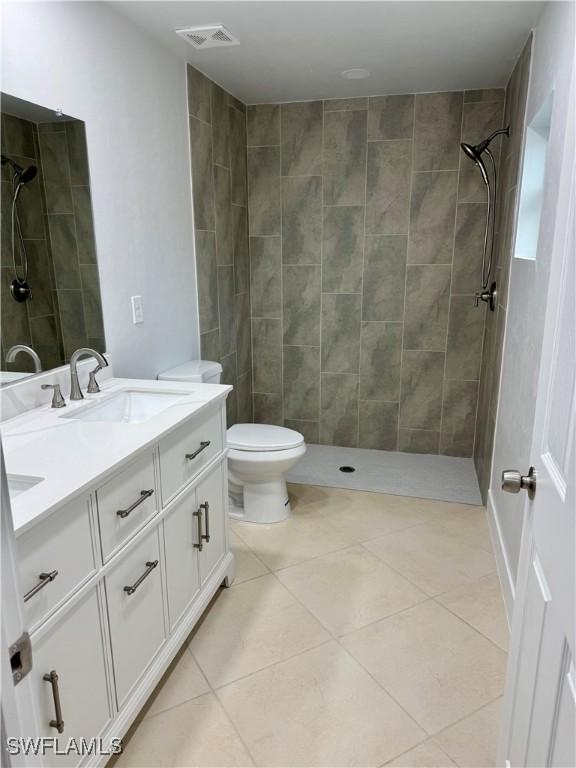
61 547
136 612
125 503
185 451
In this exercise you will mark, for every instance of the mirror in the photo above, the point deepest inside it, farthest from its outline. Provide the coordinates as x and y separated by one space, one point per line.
50 290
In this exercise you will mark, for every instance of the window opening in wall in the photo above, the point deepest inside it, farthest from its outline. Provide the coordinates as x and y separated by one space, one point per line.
532 188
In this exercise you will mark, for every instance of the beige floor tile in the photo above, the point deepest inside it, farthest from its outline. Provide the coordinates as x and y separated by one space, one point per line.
250 626
295 540
481 605
472 743
196 733
348 589
426 755
182 681
318 709
471 527
248 566
433 557
436 666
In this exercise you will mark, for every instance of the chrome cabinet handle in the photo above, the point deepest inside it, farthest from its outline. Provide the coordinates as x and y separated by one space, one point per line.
203 445
206 507
52 678
45 578
150 565
198 515
143 496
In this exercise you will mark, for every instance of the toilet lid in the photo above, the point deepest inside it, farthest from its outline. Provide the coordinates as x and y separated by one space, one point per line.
262 437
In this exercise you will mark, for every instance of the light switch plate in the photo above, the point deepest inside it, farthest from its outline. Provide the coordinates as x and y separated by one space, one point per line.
137 310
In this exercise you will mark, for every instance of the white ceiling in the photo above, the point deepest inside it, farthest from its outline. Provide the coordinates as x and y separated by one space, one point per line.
291 51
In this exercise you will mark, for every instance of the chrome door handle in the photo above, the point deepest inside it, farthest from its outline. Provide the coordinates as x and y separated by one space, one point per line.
198 515
203 445
514 482
45 578
52 678
150 565
206 507
143 496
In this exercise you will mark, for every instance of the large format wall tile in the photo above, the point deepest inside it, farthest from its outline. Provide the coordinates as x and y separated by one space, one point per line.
198 94
266 277
82 205
264 190
339 409
207 278
310 430
479 120
243 333
301 219
344 160
64 250
380 361
239 191
438 119
345 105
421 403
341 332
418 440
220 125
301 305
391 117
427 302
432 214
227 310
458 418
202 179
263 125
241 252
267 355
384 277
388 187
301 138
468 247
224 223
267 408
465 331
343 249
302 383
378 426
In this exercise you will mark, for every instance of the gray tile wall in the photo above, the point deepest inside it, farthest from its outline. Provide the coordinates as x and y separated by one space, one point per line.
366 227
219 190
506 212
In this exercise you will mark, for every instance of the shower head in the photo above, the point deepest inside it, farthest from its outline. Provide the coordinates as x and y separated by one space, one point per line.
23 175
475 151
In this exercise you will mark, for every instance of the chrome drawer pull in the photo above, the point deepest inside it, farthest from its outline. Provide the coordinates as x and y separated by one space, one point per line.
198 516
150 565
45 578
143 496
204 444
52 678
206 507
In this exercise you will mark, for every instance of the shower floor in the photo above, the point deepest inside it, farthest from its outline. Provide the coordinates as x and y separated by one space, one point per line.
445 478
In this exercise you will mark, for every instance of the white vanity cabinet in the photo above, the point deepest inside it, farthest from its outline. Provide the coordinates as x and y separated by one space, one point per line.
139 557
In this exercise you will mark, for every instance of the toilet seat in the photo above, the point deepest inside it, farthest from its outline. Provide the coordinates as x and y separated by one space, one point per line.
262 438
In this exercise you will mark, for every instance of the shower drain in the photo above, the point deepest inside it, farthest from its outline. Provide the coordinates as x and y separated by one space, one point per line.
347 469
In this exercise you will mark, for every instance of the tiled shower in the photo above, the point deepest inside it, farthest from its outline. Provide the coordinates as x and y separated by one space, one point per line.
365 230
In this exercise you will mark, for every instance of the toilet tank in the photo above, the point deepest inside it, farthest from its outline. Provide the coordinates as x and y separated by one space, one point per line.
195 370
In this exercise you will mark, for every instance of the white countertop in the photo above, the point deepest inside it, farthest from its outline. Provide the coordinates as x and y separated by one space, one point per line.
73 455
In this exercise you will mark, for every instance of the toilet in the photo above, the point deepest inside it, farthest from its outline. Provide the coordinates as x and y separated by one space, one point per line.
259 455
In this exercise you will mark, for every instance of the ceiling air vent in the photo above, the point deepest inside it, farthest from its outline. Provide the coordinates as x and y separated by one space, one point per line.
216 36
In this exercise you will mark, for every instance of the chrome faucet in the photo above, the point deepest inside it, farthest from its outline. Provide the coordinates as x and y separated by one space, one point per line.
75 390
13 351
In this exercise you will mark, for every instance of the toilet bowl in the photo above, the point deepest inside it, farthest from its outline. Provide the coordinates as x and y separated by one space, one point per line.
258 457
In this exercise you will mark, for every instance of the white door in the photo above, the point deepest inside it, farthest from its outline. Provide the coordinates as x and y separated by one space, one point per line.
540 703
19 716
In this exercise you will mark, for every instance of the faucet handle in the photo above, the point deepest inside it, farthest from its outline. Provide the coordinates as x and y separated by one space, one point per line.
57 398
93 387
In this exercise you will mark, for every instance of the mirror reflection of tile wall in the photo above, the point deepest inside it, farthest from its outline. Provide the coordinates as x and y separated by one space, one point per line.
55 215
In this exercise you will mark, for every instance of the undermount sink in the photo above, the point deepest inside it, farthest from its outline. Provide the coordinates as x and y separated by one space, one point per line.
129 406
18 484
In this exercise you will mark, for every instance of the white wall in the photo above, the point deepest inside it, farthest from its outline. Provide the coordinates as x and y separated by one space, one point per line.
93 64
552 63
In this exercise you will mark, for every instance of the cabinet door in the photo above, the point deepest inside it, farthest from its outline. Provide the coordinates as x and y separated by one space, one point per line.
181 546
136 612
73 648
210 499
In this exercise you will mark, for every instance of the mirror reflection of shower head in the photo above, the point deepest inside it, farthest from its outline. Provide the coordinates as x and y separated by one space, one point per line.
22 175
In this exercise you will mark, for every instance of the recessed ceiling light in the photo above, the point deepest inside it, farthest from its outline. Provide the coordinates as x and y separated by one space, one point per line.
355 74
